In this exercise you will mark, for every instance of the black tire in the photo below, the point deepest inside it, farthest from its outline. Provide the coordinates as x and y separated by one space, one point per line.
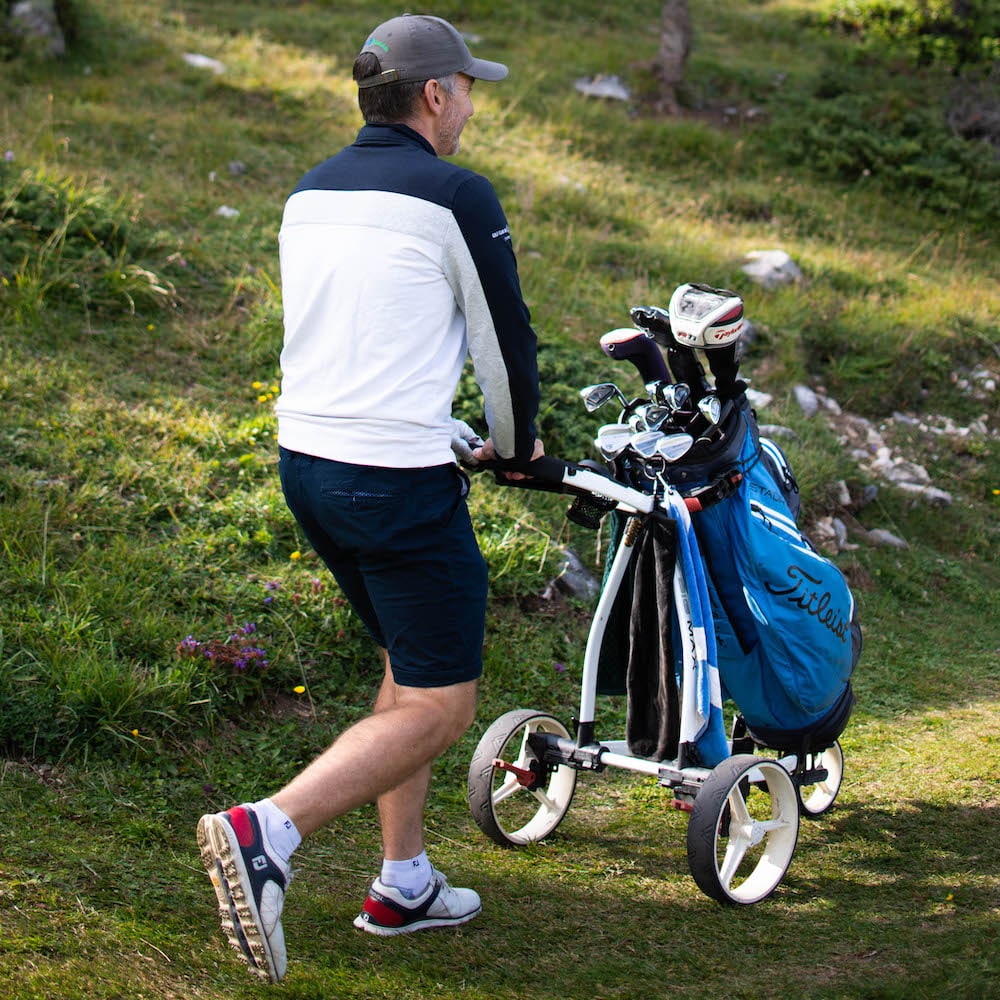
507 811
743 829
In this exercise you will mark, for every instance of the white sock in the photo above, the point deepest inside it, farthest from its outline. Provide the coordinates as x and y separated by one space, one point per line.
409 877
279 829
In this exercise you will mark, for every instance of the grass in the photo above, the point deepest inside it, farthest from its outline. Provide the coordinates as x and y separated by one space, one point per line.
140 516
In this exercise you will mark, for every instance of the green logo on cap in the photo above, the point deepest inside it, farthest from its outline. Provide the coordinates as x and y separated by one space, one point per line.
374 41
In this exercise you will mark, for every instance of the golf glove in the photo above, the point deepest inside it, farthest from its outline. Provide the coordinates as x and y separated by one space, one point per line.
463 440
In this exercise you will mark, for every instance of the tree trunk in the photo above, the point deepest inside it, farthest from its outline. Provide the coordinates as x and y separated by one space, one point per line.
675 43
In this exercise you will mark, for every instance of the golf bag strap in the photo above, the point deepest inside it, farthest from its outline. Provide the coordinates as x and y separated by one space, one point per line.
719 490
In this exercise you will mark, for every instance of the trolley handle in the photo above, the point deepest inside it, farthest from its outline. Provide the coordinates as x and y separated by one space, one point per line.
555 475
548 474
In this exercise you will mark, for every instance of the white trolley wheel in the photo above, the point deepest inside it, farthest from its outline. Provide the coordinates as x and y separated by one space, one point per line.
815 799
503 805
743 829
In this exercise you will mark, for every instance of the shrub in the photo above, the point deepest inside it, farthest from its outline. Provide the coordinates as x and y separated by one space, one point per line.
62 243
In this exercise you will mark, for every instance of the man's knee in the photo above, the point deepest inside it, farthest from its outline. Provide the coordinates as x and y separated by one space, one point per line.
454 706
459 703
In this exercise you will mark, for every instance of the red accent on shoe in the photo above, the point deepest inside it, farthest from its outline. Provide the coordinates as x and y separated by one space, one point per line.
242 825
382 914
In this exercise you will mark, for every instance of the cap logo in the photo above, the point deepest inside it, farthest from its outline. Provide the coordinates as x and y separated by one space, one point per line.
374 41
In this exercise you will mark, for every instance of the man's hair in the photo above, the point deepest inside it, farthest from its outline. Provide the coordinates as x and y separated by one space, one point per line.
390 102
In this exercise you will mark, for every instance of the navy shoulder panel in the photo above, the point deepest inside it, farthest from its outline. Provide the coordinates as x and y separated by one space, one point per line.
389 158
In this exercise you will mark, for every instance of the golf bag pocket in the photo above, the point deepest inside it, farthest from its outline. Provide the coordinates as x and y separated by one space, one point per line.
784 615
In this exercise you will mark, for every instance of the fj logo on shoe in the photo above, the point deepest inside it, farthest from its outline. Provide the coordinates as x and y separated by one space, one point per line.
259 863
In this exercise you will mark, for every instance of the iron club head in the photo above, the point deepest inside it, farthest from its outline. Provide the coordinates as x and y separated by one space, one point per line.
595 396
674 446
613 439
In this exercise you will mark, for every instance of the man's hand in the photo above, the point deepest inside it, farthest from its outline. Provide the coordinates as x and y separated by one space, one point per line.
487 453
463 440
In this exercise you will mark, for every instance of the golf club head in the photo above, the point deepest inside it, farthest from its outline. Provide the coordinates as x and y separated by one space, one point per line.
716 429
710 407
637 421
656 415
653 320
676 396
706 317
656 389
645 442
674 446
612 439
595 396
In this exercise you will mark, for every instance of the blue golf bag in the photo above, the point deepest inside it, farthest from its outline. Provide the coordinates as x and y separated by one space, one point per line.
785 620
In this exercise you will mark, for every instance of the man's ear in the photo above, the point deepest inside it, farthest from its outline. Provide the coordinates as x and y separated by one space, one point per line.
432 95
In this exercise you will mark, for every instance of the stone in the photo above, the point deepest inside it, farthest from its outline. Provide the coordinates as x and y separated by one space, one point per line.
839 532
199 61
36 23
879 536
931 494
770 268
575 580
901 471
807 399
759 400
608 87
776 431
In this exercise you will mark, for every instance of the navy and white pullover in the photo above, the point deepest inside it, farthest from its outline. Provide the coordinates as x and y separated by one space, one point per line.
396 265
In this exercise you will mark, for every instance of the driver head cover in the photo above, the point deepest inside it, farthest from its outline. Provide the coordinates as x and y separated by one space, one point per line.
418 47
706 317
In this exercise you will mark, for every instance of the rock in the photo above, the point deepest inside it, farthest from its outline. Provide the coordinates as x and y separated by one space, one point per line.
830 405
758 400
204 62
227 212
609 87
879 536
770 268
823 534
575 580
901 471
839 532
36 23
933 495
808 400
776 431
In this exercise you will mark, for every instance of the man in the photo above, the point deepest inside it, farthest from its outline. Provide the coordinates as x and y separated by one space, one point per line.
395 266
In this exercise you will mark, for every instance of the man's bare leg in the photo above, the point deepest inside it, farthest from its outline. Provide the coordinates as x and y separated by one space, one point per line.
401 809
390 751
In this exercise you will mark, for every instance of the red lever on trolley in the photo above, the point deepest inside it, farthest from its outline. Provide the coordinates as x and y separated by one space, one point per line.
526 778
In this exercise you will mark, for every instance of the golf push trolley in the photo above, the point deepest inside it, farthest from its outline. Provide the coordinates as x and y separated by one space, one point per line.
673 454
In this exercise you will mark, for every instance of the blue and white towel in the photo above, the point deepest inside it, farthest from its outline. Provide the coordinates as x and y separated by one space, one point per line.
701 690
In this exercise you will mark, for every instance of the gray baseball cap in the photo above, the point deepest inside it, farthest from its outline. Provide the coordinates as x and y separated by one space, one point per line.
418 47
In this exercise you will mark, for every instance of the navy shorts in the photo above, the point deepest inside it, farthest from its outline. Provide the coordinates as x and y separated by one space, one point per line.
400 544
